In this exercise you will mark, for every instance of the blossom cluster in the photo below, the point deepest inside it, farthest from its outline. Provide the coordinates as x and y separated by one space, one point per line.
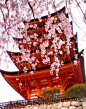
36 51
48 47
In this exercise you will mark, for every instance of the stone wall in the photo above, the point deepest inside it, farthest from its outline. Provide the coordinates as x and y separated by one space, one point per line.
60 105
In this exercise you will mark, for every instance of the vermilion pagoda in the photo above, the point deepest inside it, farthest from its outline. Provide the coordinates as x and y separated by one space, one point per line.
29 82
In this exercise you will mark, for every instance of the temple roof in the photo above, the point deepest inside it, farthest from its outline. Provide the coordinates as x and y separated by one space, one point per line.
69 74
63 57
45 18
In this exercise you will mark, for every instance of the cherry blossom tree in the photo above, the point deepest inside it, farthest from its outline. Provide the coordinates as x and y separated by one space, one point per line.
14 18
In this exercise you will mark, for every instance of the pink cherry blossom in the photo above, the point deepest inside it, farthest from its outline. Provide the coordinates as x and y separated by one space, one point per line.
31 72
75 62
34 43
17 79
15 20
84 20
25 69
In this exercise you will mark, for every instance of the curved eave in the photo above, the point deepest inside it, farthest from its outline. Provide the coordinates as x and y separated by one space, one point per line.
46 67
73 38
45 17
19 41
14 55
11 84
73 73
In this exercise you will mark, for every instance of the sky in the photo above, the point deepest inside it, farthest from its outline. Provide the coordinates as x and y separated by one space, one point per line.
7 93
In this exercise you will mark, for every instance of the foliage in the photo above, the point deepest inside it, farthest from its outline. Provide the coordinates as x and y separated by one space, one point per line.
55 90
50 94
77 90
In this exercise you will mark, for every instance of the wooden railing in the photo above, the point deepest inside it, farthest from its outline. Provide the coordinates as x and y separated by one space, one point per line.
39 101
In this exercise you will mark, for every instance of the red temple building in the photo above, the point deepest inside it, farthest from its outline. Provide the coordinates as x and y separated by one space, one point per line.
29 82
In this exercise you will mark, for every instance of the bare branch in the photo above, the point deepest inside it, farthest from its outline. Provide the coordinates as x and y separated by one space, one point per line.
31 10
